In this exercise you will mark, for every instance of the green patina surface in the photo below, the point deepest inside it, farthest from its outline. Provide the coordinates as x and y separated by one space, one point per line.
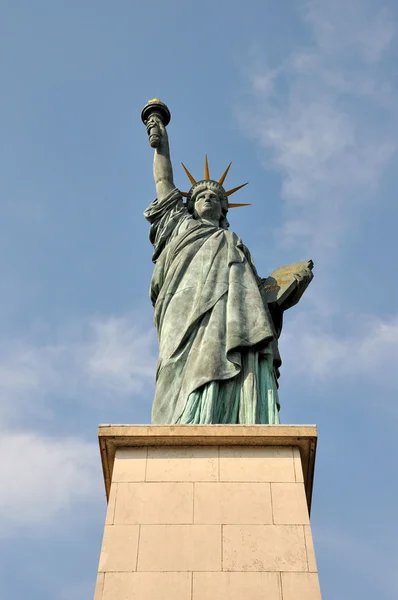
218 336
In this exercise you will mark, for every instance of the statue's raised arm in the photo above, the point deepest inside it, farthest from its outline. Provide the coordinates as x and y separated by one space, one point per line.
156 116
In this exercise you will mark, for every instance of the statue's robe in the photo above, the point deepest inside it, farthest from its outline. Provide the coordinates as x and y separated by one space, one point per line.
218 354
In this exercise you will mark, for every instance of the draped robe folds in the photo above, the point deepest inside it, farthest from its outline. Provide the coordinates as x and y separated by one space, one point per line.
217 341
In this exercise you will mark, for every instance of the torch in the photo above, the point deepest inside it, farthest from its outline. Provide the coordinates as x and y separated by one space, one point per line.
155 108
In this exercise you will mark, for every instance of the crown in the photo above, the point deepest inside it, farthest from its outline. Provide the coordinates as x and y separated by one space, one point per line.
206 177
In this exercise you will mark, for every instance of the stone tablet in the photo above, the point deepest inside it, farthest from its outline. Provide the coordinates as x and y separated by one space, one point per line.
285 282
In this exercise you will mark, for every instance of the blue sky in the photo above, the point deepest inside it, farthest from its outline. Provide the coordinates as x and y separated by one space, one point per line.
302 97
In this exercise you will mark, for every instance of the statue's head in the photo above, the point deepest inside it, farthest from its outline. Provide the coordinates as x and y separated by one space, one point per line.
208 198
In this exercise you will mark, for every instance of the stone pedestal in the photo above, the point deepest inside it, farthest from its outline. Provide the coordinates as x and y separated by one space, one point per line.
208 513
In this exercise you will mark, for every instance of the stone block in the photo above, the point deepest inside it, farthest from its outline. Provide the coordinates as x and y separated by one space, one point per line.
232 503
298 467
99 586
300 586
310 549
119 548
236 586
183 463
147 586
154 503
264 548
256 463
289 504
110 511
180 548
130 464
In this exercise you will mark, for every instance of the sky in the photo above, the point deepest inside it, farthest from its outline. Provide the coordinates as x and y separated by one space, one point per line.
302 97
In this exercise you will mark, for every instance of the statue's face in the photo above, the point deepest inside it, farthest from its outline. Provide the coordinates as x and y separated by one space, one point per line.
208 205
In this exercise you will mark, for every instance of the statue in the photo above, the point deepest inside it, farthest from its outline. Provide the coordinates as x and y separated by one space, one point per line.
218 321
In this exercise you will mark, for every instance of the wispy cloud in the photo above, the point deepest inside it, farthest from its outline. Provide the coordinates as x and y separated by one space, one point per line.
326 118
90 358
369 352
44 477
121 355
356 27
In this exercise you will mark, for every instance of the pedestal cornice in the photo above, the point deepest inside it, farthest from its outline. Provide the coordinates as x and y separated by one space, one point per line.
304 437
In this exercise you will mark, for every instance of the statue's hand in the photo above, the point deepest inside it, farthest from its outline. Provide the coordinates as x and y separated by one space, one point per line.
153 121
156 131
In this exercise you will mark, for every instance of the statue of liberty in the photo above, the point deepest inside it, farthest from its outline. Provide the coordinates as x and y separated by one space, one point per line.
218 334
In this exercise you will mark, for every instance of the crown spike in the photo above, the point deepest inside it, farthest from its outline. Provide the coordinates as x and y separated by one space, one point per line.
223 176
191 179
230 192
184 194
206 171
235 205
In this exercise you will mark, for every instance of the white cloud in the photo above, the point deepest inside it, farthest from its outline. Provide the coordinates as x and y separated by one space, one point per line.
43 477
326 118
351 27
121 356
88 359
370 352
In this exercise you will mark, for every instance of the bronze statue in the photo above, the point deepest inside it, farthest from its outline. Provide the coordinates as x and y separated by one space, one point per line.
218 322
